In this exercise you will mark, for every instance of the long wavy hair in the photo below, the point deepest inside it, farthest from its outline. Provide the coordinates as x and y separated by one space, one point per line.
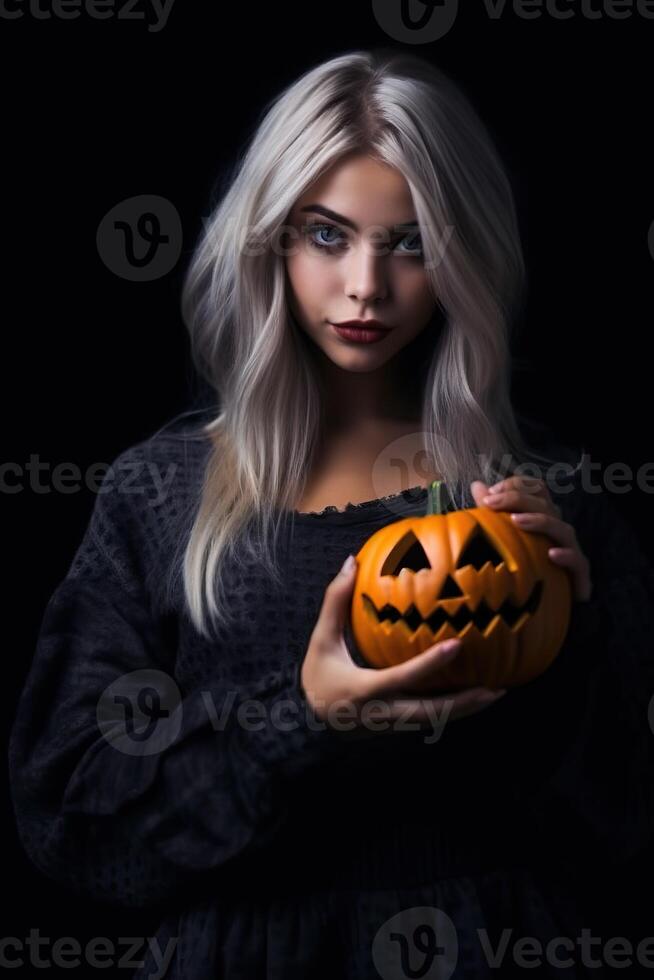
402 111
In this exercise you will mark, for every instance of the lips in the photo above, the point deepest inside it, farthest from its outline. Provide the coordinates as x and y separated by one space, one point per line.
358 335
362 325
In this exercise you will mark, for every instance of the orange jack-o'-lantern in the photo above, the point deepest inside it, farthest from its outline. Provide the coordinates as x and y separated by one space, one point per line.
471 574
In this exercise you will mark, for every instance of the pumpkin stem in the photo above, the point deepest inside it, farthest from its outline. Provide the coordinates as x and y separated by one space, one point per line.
434 499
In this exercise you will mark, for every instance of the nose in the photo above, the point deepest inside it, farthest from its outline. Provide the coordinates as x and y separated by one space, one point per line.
366 275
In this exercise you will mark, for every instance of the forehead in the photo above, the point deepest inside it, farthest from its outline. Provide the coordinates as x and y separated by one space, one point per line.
362 189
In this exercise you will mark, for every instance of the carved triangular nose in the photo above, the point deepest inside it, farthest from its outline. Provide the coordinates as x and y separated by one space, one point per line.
450 589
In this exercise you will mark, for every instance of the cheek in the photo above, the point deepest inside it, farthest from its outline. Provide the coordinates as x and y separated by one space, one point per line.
310 277
413 291
307 289
411 277
301 268
299 279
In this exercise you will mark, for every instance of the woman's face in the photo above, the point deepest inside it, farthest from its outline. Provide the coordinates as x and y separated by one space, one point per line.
353 254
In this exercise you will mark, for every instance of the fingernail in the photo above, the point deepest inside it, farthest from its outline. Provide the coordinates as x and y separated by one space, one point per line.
447 652
348 564
491 696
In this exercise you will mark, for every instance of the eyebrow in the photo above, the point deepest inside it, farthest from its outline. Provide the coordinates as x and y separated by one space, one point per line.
319 209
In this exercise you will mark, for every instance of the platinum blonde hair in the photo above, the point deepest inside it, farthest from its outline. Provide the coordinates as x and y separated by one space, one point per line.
404 112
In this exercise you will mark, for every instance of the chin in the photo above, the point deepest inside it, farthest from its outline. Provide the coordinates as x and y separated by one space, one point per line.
363 358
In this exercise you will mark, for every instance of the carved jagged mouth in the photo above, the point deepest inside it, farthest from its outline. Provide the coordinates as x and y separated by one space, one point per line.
481 616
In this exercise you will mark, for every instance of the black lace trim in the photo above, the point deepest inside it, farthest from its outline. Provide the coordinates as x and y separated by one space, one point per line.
364 504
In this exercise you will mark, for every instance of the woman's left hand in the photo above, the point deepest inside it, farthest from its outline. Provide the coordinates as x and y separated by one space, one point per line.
533 509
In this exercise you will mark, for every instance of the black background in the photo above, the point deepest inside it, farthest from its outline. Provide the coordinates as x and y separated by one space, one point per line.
96 111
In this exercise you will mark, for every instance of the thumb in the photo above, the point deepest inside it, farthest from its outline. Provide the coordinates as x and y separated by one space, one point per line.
336 600
479 491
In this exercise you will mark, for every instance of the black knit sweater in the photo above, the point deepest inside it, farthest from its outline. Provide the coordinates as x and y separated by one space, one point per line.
283 848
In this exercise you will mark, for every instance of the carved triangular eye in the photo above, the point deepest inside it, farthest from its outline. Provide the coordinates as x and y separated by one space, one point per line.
407 553
450 589
478 551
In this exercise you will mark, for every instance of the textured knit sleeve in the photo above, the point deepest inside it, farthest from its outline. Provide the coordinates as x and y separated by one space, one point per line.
125 788
599 796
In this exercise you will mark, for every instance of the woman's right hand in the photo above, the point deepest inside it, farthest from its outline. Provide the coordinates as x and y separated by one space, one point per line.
329 675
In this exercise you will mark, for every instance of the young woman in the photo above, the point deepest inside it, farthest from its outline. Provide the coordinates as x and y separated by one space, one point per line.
177 743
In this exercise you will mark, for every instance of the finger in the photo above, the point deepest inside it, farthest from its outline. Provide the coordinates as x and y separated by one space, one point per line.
479 490
530 486
515 500
335 604
410 673
559 531
578 565
527 484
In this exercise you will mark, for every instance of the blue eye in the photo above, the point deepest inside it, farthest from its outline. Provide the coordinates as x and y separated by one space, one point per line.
415 237
332 245
317 228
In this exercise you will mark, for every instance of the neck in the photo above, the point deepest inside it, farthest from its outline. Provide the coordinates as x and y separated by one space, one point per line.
369 401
